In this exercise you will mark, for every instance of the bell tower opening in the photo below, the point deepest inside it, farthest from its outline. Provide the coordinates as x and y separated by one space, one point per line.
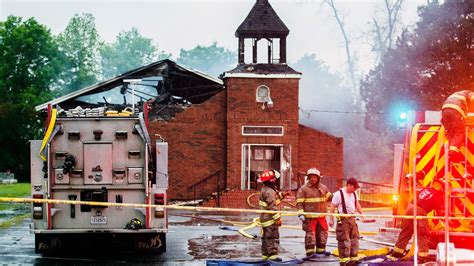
262 36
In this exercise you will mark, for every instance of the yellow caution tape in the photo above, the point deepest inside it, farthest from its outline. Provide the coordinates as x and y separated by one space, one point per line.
194 208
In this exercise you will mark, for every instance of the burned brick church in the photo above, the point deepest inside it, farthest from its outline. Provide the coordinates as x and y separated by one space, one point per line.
223 132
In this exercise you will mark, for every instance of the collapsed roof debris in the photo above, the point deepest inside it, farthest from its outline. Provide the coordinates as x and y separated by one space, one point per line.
168 88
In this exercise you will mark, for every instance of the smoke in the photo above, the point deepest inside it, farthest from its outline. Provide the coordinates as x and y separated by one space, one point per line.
326 103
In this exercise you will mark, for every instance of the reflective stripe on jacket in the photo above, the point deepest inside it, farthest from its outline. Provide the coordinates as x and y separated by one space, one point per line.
313 199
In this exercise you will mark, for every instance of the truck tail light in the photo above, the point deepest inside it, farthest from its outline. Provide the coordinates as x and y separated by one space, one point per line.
37 207
159 200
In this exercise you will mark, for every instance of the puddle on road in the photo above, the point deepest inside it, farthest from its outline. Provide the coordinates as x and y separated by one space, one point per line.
224 247
188 220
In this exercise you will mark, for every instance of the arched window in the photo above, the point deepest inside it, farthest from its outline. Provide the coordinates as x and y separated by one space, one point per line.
263 94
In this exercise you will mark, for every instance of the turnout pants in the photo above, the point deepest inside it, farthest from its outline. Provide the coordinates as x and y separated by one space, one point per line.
316 235
270 242
407 232
347 235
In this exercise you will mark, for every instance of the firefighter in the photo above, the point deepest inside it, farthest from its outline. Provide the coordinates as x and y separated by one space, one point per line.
429 199
270 199
313 197
347 232
454 112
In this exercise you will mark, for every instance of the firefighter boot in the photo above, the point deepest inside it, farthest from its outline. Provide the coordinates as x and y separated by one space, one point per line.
396 254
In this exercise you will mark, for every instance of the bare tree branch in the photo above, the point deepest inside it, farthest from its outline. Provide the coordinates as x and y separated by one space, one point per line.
350 60
384 33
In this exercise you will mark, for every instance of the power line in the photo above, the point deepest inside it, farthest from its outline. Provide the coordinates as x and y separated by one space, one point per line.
308 112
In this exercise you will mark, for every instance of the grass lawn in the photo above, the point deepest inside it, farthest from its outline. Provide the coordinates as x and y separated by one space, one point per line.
19 190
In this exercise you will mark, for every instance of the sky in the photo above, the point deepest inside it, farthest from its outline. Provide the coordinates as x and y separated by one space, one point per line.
185 23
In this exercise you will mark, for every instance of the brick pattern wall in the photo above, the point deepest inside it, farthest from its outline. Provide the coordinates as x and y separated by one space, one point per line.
324 151
242 109
197 142
232 199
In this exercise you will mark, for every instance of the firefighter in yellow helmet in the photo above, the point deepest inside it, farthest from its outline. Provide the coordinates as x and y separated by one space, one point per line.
313 197
429 199
270 198
454 112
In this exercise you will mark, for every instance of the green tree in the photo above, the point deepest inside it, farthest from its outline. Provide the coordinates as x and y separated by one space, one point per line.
80 42
129 51
212 60
29 64
426 65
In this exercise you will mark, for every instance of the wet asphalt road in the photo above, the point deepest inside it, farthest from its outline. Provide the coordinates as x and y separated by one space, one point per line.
190 241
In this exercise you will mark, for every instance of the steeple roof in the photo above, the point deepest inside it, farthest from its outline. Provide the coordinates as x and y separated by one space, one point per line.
262 22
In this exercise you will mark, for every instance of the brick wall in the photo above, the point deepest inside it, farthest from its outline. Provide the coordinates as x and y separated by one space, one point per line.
242 109
197 142
324 151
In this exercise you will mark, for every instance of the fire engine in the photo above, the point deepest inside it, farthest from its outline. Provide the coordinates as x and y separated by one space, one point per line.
98 155
423 156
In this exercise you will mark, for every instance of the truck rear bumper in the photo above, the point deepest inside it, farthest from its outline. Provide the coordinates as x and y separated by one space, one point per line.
98 231
100 242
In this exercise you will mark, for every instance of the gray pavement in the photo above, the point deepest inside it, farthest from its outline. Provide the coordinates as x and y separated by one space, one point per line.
190 241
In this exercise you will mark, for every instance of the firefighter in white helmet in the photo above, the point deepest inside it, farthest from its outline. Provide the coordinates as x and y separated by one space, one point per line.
313 197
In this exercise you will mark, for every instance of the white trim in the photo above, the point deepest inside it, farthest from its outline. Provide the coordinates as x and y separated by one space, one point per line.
262 76
242 175
269 135
256 94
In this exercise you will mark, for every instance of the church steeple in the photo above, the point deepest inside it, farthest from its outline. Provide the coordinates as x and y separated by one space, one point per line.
262 23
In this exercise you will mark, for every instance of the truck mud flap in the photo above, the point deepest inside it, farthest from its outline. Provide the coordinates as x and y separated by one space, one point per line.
153 243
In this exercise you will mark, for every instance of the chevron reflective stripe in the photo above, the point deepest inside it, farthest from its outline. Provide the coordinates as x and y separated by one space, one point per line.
426 150
344 260
398 250
276 216
262 203
455 107
268 223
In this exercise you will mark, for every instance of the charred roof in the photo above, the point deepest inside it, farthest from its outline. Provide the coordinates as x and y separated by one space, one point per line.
160 83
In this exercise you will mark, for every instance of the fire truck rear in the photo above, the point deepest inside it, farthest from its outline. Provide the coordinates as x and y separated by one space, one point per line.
422 156
98 157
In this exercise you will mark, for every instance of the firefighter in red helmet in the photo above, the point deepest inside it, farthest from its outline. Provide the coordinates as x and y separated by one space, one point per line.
429 199
454 112
313 197
270 198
